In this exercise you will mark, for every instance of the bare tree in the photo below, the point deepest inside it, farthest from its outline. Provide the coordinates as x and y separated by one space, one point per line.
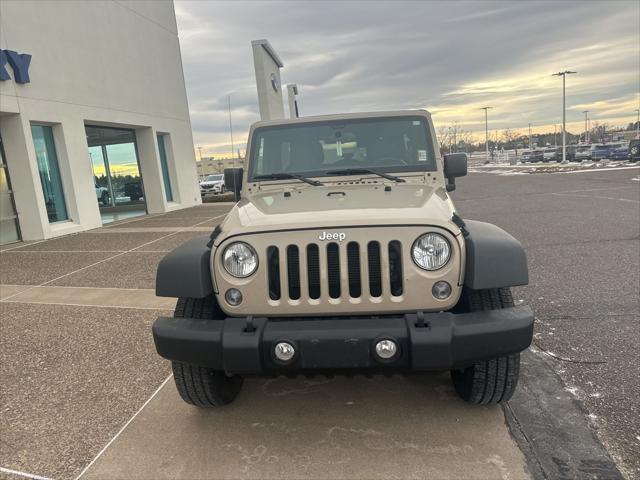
443 134
598 131
511 138
465 136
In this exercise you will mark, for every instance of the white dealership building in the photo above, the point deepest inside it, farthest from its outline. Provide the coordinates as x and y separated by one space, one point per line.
94 122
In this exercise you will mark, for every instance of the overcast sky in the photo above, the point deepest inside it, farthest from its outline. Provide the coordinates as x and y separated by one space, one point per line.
448 57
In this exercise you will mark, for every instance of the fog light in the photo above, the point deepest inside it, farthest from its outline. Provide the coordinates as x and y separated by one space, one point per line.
284 351
441 290
233 296
386 349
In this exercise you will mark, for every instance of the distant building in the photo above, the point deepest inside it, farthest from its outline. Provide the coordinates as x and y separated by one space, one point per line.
624 136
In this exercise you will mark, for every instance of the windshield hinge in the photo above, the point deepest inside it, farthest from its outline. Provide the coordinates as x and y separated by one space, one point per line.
455 218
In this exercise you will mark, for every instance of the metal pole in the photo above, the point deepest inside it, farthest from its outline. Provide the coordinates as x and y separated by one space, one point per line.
586 132
638 125
555 135
486 131
231 131
564 113
530 147
455 138
564 123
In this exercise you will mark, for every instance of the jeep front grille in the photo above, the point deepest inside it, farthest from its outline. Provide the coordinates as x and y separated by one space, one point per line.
367 270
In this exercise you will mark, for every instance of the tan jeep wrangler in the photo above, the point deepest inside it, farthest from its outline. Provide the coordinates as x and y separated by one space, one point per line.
345 254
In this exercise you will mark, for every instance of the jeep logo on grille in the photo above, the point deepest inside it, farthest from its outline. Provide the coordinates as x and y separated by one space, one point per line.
333 236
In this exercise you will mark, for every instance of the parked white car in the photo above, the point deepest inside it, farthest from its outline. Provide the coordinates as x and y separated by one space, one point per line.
102 194
212 184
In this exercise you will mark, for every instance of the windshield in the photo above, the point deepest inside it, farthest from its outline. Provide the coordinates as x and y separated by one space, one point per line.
399 144
213 178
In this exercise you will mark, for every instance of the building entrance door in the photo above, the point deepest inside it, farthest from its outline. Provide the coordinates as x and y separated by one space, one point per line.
9 229
116 172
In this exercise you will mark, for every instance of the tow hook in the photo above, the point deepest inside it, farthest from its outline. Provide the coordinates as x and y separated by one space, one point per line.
421 323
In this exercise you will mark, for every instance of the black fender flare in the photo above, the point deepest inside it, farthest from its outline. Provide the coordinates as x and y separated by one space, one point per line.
494 259
186 272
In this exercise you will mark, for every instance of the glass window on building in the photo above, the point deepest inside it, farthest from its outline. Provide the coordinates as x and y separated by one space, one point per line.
9 231
162 150
49 173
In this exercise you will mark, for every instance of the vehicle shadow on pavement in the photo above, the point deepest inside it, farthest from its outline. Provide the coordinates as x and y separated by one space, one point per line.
381 427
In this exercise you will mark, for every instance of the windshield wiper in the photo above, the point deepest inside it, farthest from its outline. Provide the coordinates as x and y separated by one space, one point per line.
355 171
284 176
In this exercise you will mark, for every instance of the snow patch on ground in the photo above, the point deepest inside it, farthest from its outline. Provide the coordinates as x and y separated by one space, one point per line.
572 390
572 167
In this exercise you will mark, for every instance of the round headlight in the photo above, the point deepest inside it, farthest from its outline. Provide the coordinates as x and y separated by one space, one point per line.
240 259
431 251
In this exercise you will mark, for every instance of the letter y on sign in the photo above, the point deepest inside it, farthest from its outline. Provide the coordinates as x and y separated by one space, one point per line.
20 63
4 75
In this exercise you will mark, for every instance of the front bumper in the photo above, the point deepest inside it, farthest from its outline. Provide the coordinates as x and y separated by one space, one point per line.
205 190
443 341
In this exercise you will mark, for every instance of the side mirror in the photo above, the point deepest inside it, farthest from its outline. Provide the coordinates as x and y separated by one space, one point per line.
233 181
455 165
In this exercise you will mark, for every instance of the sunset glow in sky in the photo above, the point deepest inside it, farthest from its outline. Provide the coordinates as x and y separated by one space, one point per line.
451 58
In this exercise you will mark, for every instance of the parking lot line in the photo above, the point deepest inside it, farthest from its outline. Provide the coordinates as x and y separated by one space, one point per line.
152 229
142 299
18 473
597 196
119 254
104 449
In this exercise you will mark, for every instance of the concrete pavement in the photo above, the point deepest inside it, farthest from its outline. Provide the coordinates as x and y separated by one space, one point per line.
80 363
388 428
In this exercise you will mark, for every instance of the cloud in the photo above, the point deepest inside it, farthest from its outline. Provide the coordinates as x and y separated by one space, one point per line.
449 57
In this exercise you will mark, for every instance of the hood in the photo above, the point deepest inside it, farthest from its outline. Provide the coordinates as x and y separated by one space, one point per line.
340 206
210 183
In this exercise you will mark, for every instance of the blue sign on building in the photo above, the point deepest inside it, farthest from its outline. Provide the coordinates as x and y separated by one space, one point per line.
19 63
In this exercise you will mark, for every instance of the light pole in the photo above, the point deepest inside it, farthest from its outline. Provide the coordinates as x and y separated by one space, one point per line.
586 132
200 152
638 124
530 147
486 130
564 112
555 135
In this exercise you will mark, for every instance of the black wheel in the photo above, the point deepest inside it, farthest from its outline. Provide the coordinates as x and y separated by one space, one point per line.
490 381
105 198
201 386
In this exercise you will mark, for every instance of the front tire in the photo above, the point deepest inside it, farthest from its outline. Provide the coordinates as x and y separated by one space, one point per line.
205 387
202 386
490 381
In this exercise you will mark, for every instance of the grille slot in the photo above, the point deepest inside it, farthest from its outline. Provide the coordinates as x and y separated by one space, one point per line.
313 270
273 272
333 269
318 271
395 268
353 269
293 271
375 271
